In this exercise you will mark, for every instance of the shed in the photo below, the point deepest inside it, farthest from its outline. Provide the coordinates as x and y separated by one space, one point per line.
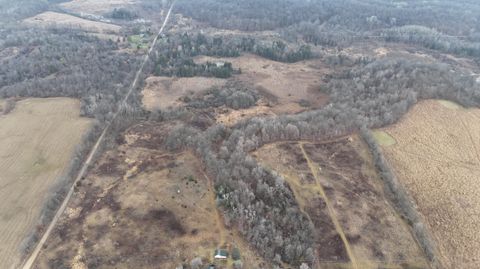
221 254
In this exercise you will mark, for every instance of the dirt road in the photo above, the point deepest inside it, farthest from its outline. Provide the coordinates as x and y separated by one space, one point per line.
31 259
330 209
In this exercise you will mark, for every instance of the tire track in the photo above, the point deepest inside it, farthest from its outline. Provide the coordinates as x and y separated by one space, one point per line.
472 141
218 218
331 211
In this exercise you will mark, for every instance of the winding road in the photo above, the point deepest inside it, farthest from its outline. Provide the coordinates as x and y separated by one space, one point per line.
29 262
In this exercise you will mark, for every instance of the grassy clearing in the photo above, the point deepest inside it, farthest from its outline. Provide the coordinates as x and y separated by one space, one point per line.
165 92
293 87
450 104
383 138
37 140
140 41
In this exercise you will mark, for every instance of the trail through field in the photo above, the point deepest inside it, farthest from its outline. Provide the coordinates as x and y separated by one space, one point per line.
330 209
31 259
218 218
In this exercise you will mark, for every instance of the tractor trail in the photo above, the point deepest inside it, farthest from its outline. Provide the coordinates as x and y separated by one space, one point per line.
330 210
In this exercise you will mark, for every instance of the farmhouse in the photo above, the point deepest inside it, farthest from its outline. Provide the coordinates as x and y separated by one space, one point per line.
221 254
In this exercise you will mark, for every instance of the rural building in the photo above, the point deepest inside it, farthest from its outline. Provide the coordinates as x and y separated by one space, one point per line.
221 254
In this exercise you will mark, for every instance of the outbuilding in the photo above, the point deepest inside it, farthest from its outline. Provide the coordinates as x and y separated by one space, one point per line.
221 254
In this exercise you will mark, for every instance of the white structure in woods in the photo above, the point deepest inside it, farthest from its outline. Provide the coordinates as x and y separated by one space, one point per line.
221 254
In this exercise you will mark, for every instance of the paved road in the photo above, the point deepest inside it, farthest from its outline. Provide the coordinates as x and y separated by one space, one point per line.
31 259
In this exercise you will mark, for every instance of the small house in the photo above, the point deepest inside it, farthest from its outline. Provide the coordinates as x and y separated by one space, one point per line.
221 254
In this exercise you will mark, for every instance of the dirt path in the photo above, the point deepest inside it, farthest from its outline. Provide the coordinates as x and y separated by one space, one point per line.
31 259
218 218
331 211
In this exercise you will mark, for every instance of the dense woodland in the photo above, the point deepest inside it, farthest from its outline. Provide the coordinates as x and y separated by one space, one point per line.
358 16
233 95
338 23
61 62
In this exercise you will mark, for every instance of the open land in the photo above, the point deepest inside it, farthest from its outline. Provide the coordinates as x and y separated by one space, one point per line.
37 142
436 155
294 87
336 185
138 184
165 92
283 88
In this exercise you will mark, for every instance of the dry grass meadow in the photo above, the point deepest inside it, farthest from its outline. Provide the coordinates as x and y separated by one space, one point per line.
165 92
50 18
284 88
294 87
142 207
336 185
37 141
436 156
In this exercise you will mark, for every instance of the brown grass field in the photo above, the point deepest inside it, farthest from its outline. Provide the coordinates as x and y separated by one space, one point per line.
50 18
284 88
165 92
142 207
37 140
336 185
437 158
288 84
